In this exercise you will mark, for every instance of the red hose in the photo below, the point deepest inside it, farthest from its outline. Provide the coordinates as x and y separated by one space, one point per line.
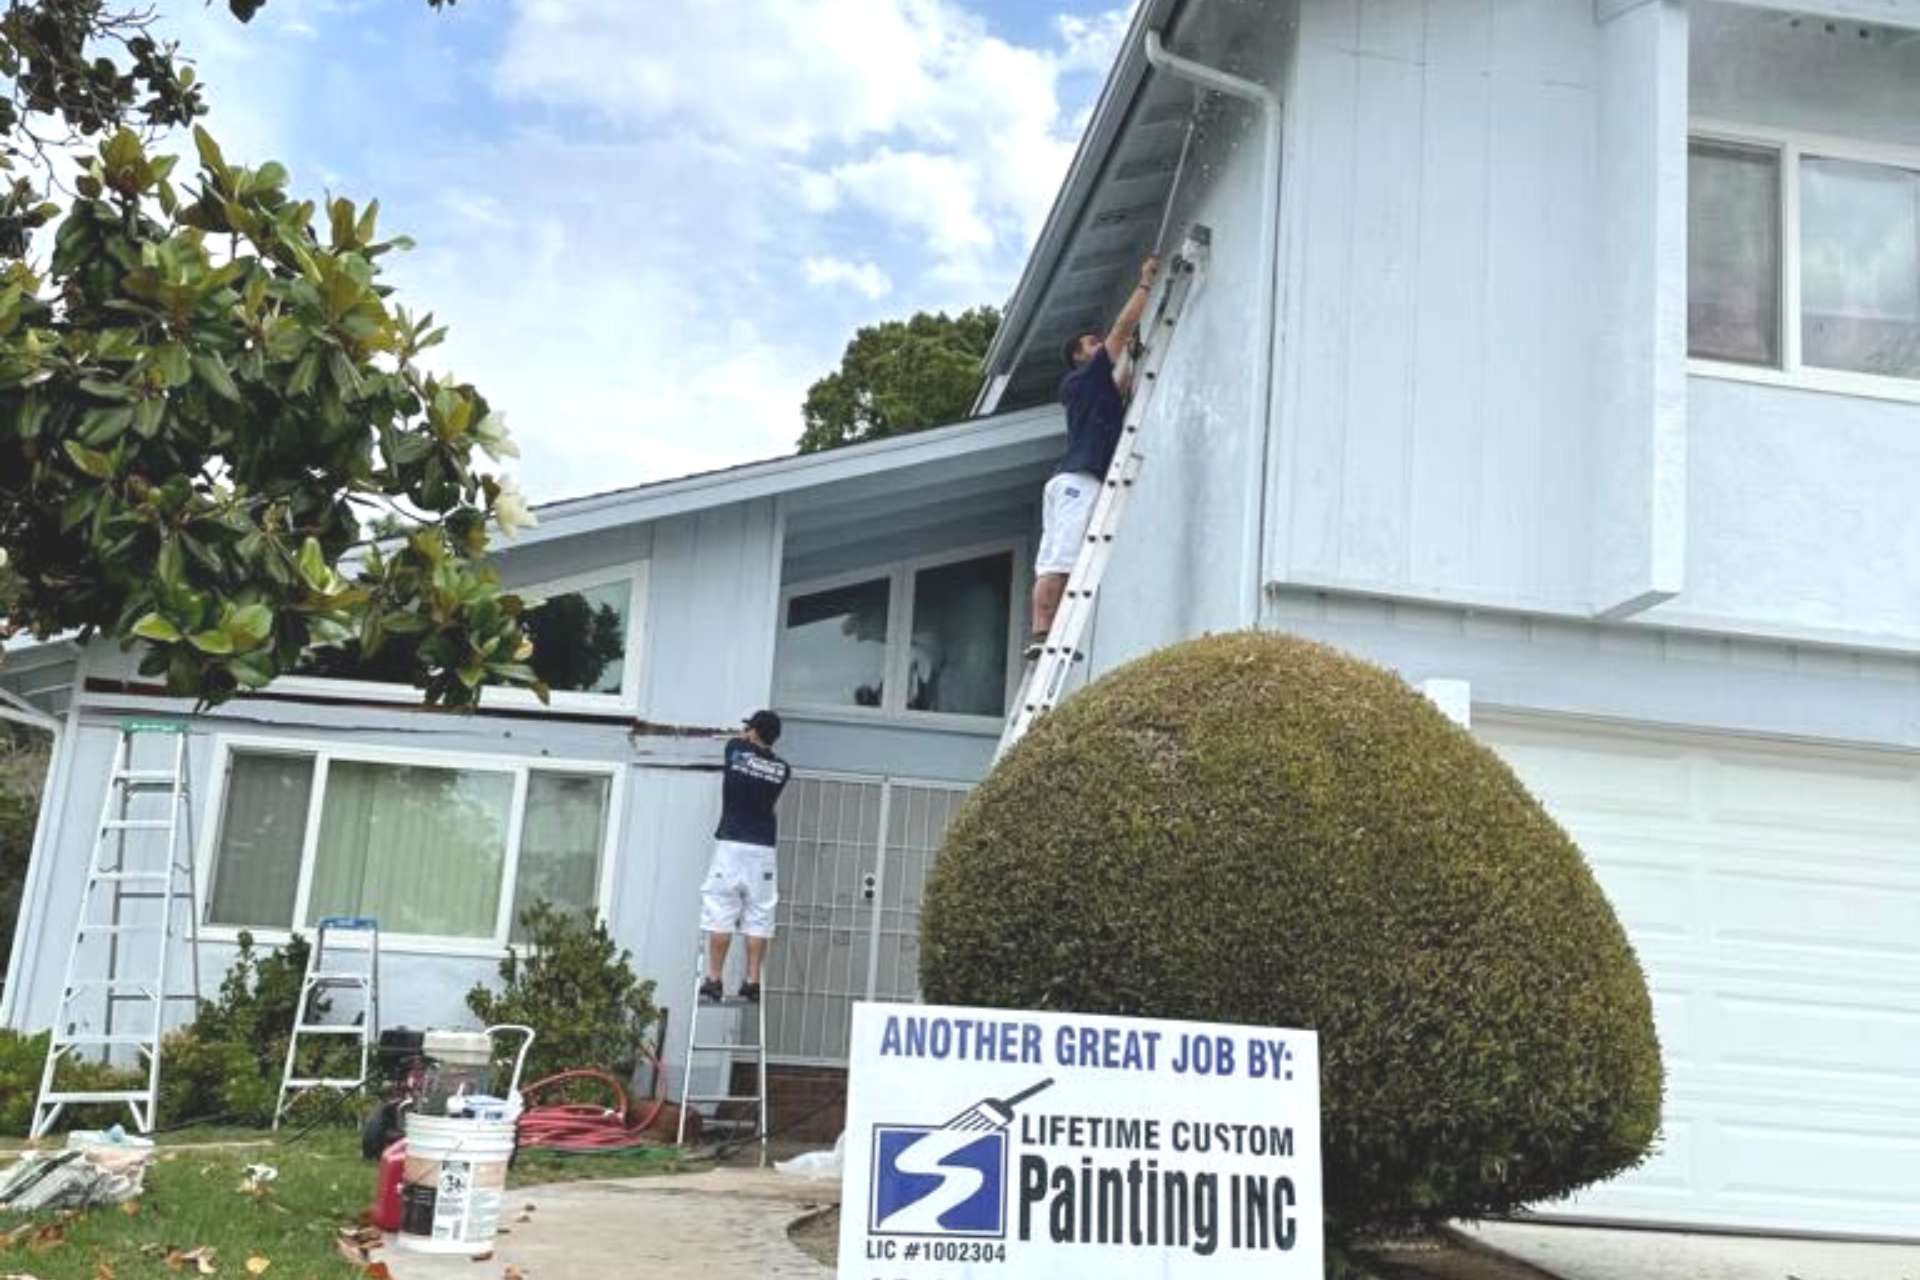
583 1127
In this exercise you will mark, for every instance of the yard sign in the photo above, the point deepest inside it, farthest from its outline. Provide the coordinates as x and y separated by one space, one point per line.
1017 1145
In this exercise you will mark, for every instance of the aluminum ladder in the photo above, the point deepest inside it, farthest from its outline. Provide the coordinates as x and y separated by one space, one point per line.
732 1010
1045 680
320 980
122 952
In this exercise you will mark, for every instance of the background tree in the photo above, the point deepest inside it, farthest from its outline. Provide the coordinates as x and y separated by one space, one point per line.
201 382
900 376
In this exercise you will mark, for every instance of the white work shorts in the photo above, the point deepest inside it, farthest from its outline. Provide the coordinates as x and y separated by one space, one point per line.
742 889
1066 507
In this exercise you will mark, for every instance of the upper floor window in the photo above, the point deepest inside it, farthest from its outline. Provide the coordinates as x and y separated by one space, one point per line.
1803 261
933 635
586 634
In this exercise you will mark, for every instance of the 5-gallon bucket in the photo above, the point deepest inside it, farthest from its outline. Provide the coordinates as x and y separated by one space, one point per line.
453 1183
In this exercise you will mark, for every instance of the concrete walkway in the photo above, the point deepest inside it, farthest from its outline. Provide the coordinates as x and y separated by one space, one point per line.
722 1224
1604 1253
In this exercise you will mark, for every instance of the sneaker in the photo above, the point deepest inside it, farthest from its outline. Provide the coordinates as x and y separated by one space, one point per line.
750 992
1036 646
712 992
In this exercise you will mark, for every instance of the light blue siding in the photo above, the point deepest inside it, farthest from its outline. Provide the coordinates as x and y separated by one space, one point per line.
1437 372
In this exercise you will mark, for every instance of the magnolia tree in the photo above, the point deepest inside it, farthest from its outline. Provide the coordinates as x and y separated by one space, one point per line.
204 388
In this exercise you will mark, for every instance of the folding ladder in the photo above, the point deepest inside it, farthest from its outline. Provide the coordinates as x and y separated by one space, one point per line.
1045 681
732 1011
321 979
122 951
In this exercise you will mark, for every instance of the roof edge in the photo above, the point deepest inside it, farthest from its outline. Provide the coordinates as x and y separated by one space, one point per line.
569 517
1129 72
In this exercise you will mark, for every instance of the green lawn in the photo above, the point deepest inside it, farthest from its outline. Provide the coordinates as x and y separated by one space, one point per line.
194 1200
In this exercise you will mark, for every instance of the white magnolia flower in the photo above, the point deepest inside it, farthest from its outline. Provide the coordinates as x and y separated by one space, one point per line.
492 436
510 509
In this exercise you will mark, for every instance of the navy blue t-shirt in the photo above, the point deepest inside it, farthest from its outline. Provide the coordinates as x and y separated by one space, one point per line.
1095 415
754 780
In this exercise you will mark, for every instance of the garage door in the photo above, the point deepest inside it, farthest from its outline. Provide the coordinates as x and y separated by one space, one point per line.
1774 897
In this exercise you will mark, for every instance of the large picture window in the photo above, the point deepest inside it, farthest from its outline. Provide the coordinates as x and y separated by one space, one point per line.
933 636
586 635
1803 261
446 849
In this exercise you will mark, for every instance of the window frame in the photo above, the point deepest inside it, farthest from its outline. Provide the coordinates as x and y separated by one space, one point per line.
899 575
627 700
323 753
1791 146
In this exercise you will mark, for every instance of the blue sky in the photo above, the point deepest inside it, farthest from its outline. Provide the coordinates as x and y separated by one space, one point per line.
651 223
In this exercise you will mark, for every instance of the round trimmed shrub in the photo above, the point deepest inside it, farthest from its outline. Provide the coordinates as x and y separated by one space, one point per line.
1252 828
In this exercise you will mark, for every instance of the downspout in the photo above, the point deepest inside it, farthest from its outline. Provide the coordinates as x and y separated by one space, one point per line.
45 833
1253 516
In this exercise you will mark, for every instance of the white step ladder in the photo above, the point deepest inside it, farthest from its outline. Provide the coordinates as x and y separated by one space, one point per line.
122 953
324 980
731 1010
1045 681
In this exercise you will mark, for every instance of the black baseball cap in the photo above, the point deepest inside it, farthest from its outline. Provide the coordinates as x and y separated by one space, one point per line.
766 724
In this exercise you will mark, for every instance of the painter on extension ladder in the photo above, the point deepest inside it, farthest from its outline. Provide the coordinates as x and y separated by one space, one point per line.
1094 392
743 884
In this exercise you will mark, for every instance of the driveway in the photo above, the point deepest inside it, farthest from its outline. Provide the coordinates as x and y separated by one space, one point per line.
1607 1253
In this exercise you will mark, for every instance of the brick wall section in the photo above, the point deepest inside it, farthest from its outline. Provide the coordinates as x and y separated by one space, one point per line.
809 1103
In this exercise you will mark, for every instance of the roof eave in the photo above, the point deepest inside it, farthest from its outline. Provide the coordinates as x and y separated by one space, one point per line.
1123 83
570 518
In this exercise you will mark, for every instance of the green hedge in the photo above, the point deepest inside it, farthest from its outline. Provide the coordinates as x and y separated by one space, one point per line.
1251 828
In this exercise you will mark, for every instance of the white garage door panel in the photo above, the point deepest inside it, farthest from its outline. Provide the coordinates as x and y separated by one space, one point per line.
1774 899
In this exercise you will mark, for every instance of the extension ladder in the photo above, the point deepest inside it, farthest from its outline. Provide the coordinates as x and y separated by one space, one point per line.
320 979
125 957
1045 681
733 1011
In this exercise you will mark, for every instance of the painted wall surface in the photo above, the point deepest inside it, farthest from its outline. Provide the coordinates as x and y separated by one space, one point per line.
1800 503
1630 674
1441 213
1174 570
707 656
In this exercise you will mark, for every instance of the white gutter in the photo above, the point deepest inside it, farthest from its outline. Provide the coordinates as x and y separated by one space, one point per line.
46 824
1253 521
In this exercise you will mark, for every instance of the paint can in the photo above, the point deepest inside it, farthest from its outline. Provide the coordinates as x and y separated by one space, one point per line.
454 1179
453 1183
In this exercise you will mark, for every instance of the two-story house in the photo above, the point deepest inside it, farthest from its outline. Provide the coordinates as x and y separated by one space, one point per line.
1568 350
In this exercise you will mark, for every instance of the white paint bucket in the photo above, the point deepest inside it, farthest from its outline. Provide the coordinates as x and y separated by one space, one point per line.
453 1183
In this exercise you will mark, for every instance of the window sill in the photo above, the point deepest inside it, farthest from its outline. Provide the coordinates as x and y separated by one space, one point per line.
927 721
1861 385
391 944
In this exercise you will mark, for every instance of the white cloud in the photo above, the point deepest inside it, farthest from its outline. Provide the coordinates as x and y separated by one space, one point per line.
910 109
1093 43
651 225
864 278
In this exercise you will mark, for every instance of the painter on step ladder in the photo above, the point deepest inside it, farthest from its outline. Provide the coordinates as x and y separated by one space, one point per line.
743 884
1094 392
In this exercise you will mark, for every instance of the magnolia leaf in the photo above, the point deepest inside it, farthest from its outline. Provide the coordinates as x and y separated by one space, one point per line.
104 426
170 565
313 565
253 671
148 415
209 150
213 371
94 463
211 642
252 623
155 627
